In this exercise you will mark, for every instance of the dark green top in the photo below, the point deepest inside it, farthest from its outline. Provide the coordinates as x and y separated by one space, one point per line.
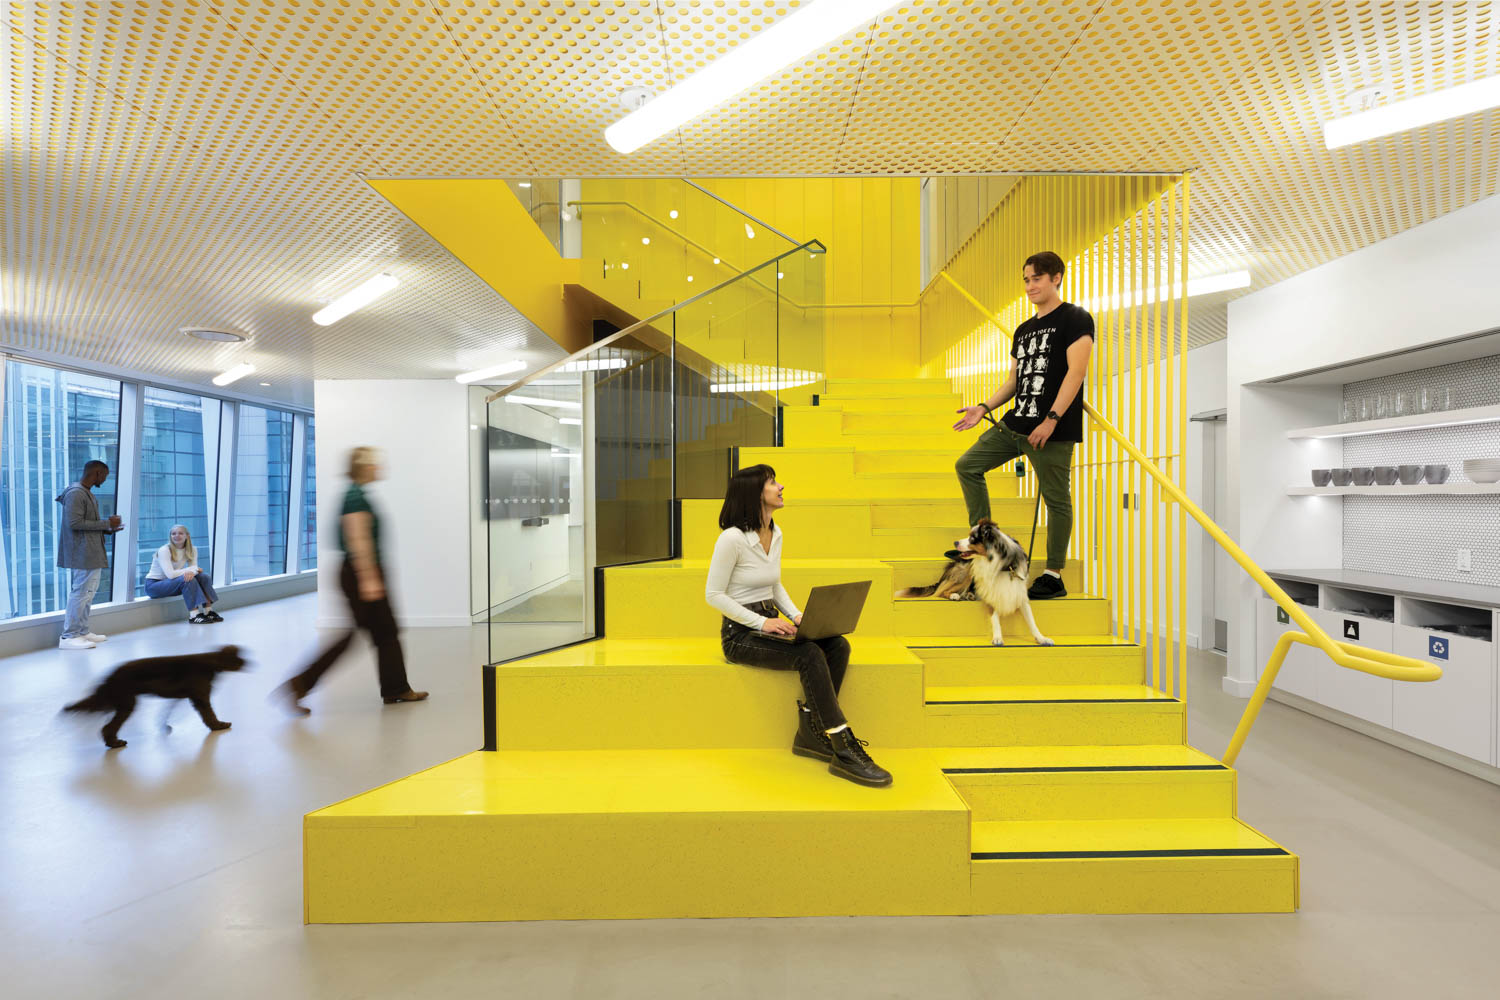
355 501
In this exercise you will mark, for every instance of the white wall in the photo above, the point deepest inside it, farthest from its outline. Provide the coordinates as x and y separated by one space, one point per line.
1431 283
422 426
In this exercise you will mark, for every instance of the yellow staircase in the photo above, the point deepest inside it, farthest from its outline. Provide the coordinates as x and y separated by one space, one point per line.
640 775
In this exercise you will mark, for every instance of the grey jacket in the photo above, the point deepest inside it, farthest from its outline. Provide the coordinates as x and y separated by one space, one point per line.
80 543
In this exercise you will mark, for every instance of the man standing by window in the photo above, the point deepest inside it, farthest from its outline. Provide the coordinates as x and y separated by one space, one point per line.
80 547
1049 359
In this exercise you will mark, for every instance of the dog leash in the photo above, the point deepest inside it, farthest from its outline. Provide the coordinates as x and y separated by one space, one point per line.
1036 510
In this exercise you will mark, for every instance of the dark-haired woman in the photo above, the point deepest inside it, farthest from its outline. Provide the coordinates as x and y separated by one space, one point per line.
744 585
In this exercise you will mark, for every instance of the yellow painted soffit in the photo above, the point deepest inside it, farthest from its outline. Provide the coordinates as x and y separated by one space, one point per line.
481 223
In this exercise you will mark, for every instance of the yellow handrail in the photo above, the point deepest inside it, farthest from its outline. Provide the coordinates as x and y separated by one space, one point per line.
1348 655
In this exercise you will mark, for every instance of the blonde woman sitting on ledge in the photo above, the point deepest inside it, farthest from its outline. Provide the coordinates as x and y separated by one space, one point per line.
175 571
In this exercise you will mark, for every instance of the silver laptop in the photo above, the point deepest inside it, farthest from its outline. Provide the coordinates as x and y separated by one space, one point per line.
831 610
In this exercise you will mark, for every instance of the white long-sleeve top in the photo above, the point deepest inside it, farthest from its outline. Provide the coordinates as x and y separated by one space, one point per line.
741 573
162 568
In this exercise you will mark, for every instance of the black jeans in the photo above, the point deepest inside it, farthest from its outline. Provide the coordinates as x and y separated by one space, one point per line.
376 618
819 662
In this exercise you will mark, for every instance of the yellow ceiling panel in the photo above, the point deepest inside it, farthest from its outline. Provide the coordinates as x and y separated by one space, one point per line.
176 162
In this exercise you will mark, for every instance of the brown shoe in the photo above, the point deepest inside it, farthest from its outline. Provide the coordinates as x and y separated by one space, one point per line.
408 696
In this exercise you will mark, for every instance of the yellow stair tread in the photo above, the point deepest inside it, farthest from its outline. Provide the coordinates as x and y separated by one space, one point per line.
1127 837
624 782
983 642
956 760
1031 693
680 651
943 602
852 563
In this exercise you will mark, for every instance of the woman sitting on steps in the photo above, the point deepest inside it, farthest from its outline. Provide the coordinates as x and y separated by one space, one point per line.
744 585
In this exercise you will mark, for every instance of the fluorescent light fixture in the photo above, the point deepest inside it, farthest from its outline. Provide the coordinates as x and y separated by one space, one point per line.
780 45
593 365
574 421
561 404
1414 112
355 298
523 184
233 375
265 385
479 375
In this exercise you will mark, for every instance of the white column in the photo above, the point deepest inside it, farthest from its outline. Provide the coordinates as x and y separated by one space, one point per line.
294 500
128 490
229 422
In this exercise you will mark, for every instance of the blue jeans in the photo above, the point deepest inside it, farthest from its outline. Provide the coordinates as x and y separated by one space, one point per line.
80 602
195 592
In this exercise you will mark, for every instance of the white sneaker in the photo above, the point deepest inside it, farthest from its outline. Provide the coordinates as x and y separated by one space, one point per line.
77 642
94 637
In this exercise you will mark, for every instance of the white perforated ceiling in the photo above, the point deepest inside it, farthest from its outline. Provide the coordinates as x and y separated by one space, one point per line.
184 162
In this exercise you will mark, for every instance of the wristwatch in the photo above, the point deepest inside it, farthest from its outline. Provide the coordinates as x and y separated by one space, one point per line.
1052 415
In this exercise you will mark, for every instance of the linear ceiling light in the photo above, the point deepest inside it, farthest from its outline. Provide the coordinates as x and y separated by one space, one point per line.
561 404
594 365
1414 112
233 375
780 45
355 298
468 378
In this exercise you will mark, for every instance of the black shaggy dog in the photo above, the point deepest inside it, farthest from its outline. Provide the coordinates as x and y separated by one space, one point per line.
190 676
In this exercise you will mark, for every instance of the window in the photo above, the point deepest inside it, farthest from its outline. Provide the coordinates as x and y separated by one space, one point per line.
54 421
179 471
309 501
262 492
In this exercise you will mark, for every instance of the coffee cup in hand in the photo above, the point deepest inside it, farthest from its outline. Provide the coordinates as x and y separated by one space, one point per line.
114 520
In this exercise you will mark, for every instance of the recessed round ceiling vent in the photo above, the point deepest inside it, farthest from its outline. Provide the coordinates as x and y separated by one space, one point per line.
221 336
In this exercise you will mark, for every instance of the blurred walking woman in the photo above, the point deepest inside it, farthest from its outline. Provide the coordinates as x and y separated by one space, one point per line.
744 585
175 571
362 578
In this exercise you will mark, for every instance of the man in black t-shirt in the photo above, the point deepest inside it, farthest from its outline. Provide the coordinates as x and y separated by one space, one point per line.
1049 359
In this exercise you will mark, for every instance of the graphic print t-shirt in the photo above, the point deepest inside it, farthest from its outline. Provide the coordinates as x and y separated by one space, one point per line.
1040 353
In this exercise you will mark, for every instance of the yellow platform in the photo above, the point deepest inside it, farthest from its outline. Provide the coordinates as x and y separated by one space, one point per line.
642 775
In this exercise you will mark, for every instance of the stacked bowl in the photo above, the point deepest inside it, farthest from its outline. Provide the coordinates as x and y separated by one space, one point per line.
1482 470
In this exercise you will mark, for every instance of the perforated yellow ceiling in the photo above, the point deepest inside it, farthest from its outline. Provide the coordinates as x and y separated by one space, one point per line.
180 161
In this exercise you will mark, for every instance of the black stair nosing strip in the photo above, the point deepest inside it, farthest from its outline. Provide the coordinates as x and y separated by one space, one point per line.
1200 852
1060 701
1089 768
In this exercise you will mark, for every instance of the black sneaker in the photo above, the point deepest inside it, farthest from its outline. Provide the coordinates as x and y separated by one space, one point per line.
199 619
850 761
810 740
1046 587
213 616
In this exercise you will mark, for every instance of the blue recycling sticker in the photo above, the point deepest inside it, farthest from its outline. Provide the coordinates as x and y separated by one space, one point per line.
1437 647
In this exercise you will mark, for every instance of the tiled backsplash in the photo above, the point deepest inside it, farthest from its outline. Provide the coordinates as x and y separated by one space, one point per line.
1421 535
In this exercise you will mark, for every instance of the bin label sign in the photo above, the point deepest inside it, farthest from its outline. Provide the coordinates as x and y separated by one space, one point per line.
1282 617
1437 648
1351 629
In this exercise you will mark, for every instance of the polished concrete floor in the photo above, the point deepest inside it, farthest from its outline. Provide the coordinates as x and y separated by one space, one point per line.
173 868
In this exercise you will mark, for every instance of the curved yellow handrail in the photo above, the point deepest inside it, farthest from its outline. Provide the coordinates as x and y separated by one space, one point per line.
1348 655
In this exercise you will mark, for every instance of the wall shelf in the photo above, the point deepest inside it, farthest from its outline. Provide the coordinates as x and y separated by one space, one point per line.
1412 422
1422 489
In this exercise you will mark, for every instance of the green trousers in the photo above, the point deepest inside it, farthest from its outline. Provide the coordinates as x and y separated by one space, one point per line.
1054 470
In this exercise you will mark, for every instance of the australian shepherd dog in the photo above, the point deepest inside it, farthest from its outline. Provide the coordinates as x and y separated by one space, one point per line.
992 567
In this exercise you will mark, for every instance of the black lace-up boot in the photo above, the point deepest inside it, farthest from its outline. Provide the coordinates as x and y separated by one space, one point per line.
810 740
850 761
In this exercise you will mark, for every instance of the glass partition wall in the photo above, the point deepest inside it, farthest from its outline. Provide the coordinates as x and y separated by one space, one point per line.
586 461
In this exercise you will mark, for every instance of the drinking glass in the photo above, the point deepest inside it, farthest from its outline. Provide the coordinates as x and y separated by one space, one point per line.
1364 408
1424 400
1348 411
1382 406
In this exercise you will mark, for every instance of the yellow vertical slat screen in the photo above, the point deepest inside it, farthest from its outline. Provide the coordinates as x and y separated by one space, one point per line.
1124 240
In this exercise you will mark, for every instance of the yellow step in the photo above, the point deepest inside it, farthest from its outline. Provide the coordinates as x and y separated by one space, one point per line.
1058 715
900 388
910 571
1087 659
1071 615
868 462
1130 866
919 408
556 835
1090 782
829 473
666 598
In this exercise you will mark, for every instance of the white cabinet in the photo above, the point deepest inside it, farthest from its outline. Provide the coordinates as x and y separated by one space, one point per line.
1298 674
1456 711
1354 692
